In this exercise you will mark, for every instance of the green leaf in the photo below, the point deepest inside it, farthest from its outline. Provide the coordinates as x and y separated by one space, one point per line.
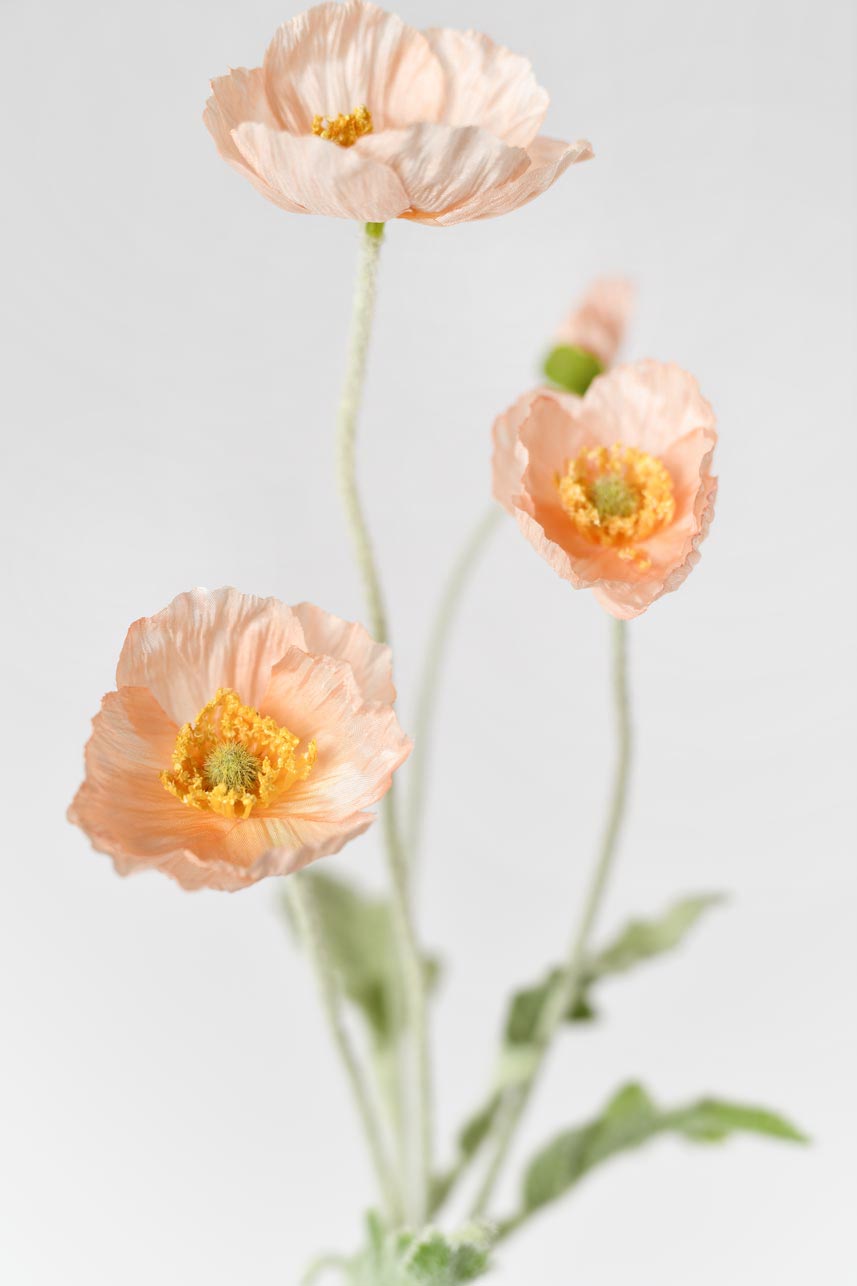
644 939
630 1119
572 368
359 936
638 942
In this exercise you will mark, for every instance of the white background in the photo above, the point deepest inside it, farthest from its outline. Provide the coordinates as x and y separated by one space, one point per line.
171 1110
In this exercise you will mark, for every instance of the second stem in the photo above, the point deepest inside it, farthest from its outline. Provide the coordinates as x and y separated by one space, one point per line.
561 997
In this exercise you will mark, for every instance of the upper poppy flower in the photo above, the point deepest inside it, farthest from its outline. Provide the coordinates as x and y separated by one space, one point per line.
357 115
246 739
614 489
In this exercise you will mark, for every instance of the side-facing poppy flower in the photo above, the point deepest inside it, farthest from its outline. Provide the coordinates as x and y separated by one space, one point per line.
613 489
357 115
245 739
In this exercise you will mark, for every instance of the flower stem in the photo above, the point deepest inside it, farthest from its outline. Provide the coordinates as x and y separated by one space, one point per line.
372 237
447 611
561 997
302 899
417 1157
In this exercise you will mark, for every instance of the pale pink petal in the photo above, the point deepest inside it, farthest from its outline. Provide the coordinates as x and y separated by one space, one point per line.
549 158
599 322
240 96
260 847
442 167
371 662
207 640
337 57
489 86
648 405
360 743
509 460
321 177
122 805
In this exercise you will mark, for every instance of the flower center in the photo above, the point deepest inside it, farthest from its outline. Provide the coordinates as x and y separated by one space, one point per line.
232 759
617 496
344 130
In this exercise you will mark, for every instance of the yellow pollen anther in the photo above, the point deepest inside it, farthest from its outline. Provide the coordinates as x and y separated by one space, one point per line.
617 496
232 759
344 130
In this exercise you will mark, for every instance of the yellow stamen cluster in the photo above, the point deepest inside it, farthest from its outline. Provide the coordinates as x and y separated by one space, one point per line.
344 130
232 759
617 496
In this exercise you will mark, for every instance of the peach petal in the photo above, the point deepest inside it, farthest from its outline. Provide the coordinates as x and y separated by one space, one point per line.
549 158
489 86
204 641
360 743
442 167
122 805
371 663
240 96
509 461
647 404
599 322
320 177
336 57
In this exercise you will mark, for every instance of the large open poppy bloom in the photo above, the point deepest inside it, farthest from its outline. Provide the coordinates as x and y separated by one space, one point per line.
355 114
613 489
245 739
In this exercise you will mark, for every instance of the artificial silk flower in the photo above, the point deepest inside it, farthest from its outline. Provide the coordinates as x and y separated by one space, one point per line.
357 115
245 739
613 489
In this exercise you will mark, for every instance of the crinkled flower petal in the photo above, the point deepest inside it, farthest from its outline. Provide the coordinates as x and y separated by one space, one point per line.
336 57
489 86
371 662
204 641
442 167
322 178
549 158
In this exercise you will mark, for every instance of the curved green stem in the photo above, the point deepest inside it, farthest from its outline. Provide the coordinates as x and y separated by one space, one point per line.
445 616
416 1179
303 906
572 976
363 312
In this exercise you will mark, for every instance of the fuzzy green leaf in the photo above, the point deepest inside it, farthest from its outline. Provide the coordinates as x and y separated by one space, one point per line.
630 1119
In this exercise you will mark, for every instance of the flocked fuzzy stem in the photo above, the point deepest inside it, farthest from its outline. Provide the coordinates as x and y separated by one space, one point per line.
561 997
301 896
444 620
417 1144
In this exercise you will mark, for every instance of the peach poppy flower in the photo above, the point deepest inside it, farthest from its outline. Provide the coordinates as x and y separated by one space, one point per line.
613 489
246 739
357 115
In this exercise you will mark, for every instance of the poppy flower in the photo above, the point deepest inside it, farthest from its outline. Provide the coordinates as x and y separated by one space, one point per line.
354 114
245 739
614 489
